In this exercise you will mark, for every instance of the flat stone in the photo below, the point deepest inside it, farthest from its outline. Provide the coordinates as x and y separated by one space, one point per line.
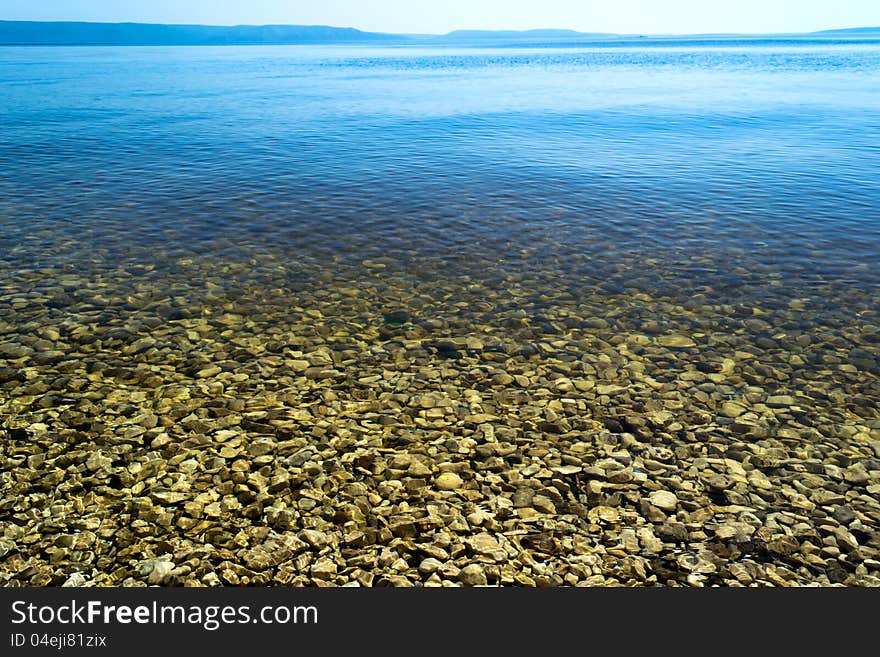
481 418
472 575
844 515
170 497
857 474
739 532
486 545
448 481
98 461
260 446
156 570
672 532
732 409
623 476
76 580
700 562
543 504
675 341
664 500
430 565
316 539
324 569
605 513
824 497
419 469
208 372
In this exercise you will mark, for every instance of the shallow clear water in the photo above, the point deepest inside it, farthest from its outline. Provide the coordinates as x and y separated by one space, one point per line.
556 180
214 260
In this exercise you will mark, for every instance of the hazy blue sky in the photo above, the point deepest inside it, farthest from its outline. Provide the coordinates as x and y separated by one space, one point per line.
436 16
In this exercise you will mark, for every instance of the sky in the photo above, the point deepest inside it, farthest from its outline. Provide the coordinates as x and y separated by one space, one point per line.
440 16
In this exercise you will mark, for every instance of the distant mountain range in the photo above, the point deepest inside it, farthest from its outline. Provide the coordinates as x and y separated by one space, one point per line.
853 31
149 34
543 35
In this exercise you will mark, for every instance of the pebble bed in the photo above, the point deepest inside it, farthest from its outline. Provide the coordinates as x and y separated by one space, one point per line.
265 421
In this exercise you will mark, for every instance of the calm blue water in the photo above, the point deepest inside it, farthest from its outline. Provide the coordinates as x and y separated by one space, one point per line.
715 163
490 261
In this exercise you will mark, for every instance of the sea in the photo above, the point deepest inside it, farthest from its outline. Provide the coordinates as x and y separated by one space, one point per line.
647 186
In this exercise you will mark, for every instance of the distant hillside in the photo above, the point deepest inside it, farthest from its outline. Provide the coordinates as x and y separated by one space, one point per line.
511 38
853 31
521 34
146 34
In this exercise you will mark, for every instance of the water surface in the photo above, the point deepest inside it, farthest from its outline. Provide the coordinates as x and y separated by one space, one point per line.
654 265
762 152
